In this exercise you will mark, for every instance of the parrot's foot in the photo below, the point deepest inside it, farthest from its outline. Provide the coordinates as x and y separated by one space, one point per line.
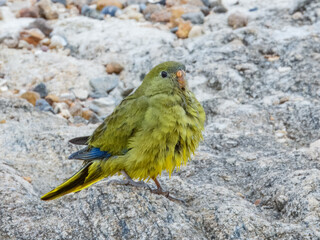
129 181
160 191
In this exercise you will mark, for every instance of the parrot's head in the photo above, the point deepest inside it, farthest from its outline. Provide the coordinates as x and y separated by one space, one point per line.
165 77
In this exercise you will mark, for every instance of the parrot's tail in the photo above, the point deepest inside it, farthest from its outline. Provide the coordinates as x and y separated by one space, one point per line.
92 172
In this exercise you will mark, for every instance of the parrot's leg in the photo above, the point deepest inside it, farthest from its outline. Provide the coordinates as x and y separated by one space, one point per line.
129 181
160 191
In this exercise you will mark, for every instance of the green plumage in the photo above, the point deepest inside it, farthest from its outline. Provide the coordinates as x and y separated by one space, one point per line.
156 128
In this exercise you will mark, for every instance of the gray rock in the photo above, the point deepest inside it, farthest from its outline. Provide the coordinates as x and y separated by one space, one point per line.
81 94
41 24
103 85
3 2
43 105
194 17
91 13
103 106
41 88
64 2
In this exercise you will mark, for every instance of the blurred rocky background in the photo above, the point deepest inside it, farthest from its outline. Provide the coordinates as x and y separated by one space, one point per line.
255 67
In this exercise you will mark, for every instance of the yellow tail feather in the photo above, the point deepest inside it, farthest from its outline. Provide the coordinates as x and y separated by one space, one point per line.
87 176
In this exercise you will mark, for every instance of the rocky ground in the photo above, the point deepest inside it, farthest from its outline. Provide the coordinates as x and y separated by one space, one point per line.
254 65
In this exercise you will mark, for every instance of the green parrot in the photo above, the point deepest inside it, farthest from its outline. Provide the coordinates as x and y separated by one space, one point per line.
155 128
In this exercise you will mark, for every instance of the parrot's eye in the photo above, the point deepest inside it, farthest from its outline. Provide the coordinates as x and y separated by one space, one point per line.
164 74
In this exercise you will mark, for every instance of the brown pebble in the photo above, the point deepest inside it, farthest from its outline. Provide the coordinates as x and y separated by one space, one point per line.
114 67
3 121
51 98
76 109
32 12
161 16
87 114
184 29
104 3
32 36
31 97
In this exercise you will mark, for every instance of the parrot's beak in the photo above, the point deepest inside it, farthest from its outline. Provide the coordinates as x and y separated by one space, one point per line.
181 79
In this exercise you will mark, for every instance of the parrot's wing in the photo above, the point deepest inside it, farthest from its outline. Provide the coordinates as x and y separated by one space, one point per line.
113 134
80 140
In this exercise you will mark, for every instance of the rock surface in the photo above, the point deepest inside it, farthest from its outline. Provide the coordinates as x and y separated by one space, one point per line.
256 174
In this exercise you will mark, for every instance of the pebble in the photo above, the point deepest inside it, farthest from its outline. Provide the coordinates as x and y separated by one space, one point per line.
237 20
41 24
41 88
103 106
67 96
220 9
183 29
205 10
150 9
176 13
23 44
104 84
31 12
104 3
194 17
3 3
51 98
110 10
31 97
131 13
114 67
81 94
161 16
47 9
32 36
87 114
75 109
43 105
11 42
58 107
65 113
58 42
297 16
91 13
195 31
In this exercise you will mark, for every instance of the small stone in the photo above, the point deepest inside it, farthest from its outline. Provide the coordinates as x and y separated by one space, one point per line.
11 42
195 31
47 9
131 14
76 109
23 44
32 12
104 84
3 3
28 179
41 24
58 107
31 97
43 105
220 9
205 10
41 89
297 16
65 113
67 96
91 13
45 42
176 13
3 121
51 98
110 10
161 16
104 3
32 36
58 42
237 20
95 119
103 106
150 9
194 17
87 114
81 94
183 29
114 67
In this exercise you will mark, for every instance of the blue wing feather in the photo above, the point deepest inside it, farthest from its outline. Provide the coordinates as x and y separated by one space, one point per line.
89 154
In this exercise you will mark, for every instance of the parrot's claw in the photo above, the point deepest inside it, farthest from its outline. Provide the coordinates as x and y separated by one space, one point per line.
160 191
129 181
